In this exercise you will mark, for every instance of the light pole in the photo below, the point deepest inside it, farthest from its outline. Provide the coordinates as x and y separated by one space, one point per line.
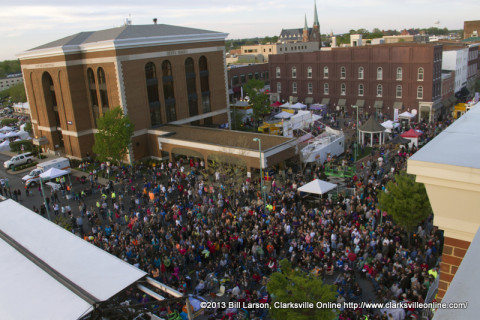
261 171
356 133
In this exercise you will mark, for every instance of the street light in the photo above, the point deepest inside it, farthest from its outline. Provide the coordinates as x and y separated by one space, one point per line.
261 171
356 132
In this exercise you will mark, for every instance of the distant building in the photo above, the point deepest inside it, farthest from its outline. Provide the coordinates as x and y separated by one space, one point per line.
10 80
21 108
238 75
471 29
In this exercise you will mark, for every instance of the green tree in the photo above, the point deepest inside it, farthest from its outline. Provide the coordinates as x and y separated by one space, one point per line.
28 127
17 93
406 201
9 67
259 100
114 136
291 285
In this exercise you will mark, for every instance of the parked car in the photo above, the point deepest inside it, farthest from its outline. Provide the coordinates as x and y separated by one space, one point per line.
18 160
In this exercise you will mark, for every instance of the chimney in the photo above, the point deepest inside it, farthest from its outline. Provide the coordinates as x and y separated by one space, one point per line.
154 20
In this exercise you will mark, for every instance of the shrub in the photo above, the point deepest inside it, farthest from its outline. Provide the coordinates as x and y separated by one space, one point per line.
26 165
8 121
16 146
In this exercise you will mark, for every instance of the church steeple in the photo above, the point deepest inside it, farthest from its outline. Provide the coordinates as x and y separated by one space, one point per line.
305 31
315 17
316 35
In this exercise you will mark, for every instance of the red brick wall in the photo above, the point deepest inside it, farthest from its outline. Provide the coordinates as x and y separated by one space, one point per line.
453 252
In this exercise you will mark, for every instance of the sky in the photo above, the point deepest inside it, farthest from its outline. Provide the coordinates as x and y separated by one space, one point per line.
28 24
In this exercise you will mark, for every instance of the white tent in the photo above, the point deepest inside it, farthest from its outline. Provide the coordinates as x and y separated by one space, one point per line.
23 135
283 115
2 135
317 186
5 146
12 134
49 273
5 129
316 117
53 173
389 125
406 115
298 105
286 105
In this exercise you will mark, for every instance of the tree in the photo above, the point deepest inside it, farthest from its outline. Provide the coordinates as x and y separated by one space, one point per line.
17 93
259 100
114 136
291 285
406 201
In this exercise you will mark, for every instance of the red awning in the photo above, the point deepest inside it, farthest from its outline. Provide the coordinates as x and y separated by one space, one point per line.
276 104
411 134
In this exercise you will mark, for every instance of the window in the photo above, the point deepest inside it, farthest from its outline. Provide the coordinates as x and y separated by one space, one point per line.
399 73
379 90
420 74
152 94
204 85
420 92
93 95
168 92
360 73
309 72
343 73
279 87
379 73
278 72
325 89
398 91
250 76
310 88
235 80
294 72
294 87
191 87
50 97
242 78
360 90
256 75
343 89
325 72
102 86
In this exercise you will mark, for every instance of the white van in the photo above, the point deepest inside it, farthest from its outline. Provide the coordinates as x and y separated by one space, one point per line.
18 160
33 177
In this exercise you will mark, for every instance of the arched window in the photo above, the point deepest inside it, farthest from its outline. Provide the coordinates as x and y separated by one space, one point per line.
50 97
343 89
168 92
325 72
191 87
277 72
102 88
92 88
310 88
294 87
360 90
279 87
309 72
152 94
398 91
204 84
343 72
379 73
379 90
399 73
420 74
360 73
420 92
325 89
294 72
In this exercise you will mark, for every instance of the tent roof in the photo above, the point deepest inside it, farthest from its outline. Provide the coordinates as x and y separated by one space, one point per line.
298 105
52 271
317 186
53 173
406 114
283 115
371 126
5 128
286 105
411 134
399 140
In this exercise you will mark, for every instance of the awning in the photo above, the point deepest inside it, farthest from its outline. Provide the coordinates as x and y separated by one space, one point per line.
325 101
397 105
360 103
237 89
437 106
378 104
342 102
187 152
309 100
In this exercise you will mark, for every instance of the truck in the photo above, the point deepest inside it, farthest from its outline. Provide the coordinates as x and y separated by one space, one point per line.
33 177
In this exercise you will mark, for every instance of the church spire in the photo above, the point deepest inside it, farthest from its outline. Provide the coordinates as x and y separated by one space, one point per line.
305 37
315 17
305 27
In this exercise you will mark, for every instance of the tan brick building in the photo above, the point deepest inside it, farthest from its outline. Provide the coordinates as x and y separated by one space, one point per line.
157 74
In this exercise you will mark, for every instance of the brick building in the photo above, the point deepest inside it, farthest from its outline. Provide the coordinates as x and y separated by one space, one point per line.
379 79
471 29
238 75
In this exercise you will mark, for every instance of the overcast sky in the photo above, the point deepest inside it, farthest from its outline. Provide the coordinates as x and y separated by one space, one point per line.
27 24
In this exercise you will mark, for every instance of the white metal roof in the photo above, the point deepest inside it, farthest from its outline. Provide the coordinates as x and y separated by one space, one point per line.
58 254
458 145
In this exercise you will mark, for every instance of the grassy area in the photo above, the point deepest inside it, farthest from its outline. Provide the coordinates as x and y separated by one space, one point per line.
366 152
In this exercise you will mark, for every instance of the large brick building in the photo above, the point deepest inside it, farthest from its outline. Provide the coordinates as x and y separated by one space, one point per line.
379 79
156 73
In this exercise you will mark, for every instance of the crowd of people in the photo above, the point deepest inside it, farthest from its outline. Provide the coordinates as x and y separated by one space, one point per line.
178 223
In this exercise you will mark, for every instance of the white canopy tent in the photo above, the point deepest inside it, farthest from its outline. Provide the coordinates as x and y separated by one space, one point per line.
5 129
53 173
12 134
49 273
283 115
5 146
2 135
317 186
298 105
286 105
389 125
